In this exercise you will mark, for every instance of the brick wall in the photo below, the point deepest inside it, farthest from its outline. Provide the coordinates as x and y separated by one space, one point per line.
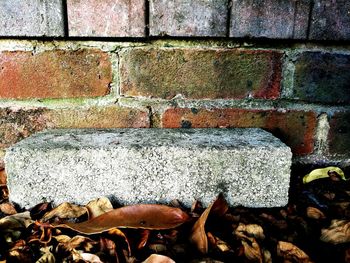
280 65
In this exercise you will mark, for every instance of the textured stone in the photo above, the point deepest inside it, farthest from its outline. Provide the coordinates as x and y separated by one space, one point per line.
339 134
322 77
54 74
188 18
200 73
330 20
107 18
31 18
270 18
251 167
295 128
19 123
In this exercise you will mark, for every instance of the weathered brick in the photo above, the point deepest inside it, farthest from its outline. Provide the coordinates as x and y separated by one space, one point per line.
31 18
322 77
330 20
269 18
339 134
18 123
188 17
108 18
54 74
200 73
295 128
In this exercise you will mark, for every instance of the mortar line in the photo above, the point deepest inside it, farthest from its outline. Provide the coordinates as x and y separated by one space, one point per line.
65 18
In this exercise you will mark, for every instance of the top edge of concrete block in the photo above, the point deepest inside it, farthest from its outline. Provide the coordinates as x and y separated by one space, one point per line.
134 138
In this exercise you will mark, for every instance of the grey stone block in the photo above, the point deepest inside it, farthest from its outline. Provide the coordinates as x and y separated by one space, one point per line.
250 166
282 19
31 18
188 17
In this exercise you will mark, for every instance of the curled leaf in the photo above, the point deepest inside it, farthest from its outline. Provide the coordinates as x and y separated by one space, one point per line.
288 251
65 211
337 233
198 236
252 250
155 258
21 220
8 209
328 172
98 207
250 230
314 213
3 177
136 216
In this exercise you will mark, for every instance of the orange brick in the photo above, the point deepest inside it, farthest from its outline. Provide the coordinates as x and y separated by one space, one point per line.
54 74
295 128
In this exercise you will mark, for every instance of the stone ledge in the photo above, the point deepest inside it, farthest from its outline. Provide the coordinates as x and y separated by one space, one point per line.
250 166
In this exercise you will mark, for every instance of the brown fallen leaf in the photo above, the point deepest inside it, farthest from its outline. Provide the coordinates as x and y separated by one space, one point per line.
291 252
252 250
47 256
3 177
198 236
267 257
337 233
314 213
144 238
216 242
108 248
119 233
65 211
250 230
20 220
136 216
86 257
39 210
98 207
155 258
8 209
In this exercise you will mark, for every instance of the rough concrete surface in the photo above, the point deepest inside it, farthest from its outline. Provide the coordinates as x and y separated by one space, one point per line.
250 166
31 18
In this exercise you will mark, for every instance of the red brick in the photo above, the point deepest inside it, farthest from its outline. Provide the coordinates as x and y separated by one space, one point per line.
107 18
339 134
54 74
295 128
16 124
200 73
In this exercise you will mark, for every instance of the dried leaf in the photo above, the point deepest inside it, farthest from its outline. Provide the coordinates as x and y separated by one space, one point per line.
3 177
155 258
119 233
91 258
144 238
108 248
266 256
136 216
216 242
250 230
47 256
252 250
337 233
198 236
8 209
324 173
314 213
65 211
98 207
39 210
288 251
62 238
20 220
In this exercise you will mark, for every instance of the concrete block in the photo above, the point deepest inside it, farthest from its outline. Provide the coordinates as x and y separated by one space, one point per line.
188 18
250 166
31 18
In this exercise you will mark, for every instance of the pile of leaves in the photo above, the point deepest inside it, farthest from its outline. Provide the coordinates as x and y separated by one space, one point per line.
313 227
